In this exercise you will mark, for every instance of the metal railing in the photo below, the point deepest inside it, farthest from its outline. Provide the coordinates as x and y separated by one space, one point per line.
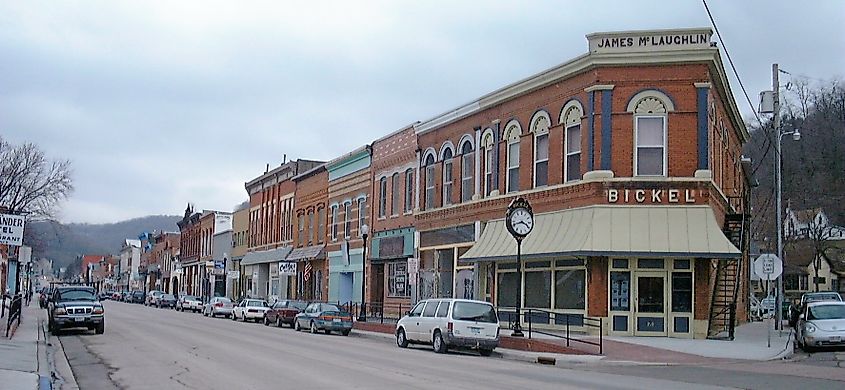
15 310
380 311
554 323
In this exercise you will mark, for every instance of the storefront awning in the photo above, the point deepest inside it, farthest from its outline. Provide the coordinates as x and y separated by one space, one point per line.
656 231
307 253
269 256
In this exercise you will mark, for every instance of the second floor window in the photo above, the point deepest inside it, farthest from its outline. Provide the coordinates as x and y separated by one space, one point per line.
321 223
362 213
513 165
487 161
429 183
409 190
396 194
447 177
347 214
650 156
311 227
301 229
467 160
573 153
382 197
334 222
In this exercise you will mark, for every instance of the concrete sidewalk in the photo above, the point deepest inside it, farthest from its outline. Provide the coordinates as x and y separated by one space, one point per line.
23 357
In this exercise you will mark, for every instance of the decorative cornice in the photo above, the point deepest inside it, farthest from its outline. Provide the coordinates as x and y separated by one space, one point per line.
599 87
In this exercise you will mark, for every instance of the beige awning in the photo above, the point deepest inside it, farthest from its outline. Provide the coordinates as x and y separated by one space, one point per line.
657 231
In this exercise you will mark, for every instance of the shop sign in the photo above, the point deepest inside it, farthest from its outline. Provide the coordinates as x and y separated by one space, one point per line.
287 268
234 274
651 195
649 41
11 229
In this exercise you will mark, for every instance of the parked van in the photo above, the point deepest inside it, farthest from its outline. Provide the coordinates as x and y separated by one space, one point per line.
450 323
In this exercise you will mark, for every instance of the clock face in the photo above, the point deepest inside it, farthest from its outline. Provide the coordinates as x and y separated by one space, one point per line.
522 222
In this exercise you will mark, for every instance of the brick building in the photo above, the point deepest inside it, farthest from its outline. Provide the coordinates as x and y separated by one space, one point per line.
631 158
349 179
166 253
240 231
311 209
392 229
271 232
187 269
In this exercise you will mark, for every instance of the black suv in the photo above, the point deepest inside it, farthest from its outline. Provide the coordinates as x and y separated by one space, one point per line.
75 307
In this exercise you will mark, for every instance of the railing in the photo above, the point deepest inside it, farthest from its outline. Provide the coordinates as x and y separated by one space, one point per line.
379 311
15 310
552 321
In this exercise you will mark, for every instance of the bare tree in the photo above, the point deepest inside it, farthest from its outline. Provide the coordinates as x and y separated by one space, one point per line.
819 233
30 182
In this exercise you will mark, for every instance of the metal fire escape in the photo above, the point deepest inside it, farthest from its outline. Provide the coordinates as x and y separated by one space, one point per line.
728 274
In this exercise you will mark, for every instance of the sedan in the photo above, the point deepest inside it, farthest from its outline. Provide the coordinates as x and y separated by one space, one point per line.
218 306
283 312
324 316
822 324
250 309
166 300
189 302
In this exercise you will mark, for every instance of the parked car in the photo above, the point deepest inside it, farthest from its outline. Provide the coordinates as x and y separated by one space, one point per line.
798 307
166 300
323 316
136 297
218 306
152 298
250 309
450 323
104 295
75 307
189 302
822 324
116 296
283 312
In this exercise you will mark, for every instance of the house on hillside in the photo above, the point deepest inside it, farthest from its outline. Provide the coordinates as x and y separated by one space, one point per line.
800 272
810 223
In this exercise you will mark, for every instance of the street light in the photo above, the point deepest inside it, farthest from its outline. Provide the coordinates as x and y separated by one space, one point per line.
362 315
796 136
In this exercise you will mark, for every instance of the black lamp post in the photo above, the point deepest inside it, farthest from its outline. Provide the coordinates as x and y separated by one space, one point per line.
362 315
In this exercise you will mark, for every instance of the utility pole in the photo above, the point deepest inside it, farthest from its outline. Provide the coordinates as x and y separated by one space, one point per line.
778 184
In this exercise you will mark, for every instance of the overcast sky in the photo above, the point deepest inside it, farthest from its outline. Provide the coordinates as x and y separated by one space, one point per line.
158 104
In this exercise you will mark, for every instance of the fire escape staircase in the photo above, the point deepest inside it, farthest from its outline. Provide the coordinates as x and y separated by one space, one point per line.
727 281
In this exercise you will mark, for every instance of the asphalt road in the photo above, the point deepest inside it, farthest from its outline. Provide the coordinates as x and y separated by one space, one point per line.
148 348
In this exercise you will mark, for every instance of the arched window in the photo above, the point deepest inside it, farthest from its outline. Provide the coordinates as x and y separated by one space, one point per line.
429 182
540 128
467 169
512 133
570 116
487 146
409 190
382 197
650 109
447 177
395 194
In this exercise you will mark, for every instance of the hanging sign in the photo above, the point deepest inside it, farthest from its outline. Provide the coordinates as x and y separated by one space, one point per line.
11 229
287 268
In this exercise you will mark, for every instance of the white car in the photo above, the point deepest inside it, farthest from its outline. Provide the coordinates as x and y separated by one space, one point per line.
218 306
450 323
189 302
153 297
250 309
822 324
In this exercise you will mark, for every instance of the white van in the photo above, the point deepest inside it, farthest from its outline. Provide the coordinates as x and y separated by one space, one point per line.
450 323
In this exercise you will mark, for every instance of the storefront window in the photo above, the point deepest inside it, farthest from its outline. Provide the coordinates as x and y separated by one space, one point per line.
539 294
397 279
682 292
570 289
465 284
506 289
274 287
650 263
790 282
445 264
620 291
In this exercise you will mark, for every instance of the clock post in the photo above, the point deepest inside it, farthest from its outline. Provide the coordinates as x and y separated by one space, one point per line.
519 220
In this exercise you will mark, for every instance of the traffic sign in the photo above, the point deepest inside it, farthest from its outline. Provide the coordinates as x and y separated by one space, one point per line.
768 266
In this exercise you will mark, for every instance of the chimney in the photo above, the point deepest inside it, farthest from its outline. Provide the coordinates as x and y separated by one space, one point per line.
267 168
284 158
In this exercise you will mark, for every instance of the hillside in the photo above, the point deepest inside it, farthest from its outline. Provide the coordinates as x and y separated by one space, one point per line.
63 242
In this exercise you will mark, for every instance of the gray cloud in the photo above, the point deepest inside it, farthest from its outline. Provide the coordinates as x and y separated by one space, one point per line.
158 104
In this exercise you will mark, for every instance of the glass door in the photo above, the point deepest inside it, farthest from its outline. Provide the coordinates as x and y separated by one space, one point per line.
650 308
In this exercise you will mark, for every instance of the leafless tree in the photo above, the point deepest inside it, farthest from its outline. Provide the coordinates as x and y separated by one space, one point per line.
819 233
30 182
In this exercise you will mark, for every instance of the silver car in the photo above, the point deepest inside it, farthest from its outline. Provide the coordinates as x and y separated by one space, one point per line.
822 324
218 306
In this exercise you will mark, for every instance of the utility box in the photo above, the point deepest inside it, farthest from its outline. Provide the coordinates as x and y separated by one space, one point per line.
767 102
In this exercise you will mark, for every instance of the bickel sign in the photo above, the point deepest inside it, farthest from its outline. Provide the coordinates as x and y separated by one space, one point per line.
653 195
11 229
